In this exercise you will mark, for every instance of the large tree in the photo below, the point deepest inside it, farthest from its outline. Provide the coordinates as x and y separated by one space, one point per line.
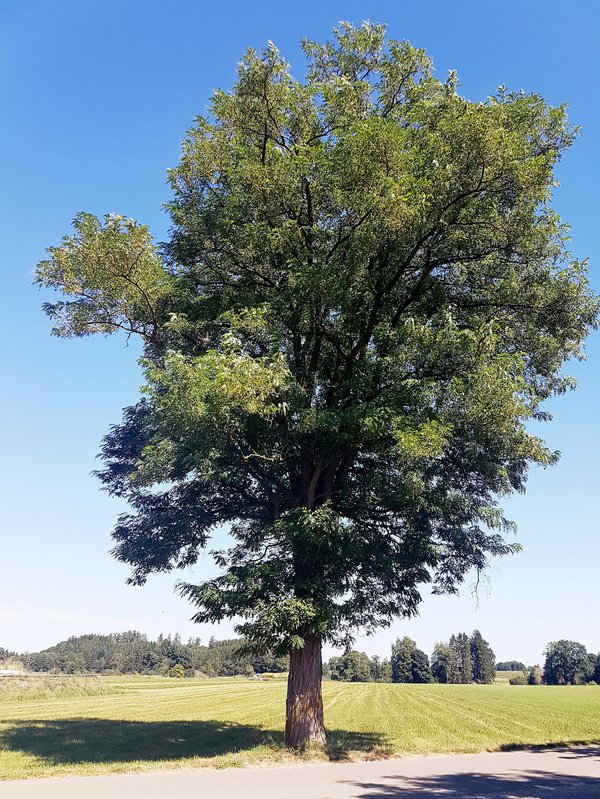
420 667
402 659
460 646
444 668
364 301
566 663
352 666
483 659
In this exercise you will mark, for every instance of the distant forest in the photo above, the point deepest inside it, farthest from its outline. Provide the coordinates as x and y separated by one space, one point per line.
132 653
462 659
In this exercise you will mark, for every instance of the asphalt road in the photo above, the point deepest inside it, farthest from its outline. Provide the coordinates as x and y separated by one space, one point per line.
547 774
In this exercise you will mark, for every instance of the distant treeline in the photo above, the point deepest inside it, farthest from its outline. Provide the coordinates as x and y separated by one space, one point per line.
132 653
463 659
566 663
467 659
510 665
355 666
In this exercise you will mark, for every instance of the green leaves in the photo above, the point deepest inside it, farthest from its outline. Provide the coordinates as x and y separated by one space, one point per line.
114 275
364 303
216 388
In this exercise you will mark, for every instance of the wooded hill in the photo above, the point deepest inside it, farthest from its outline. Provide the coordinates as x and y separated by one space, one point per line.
132 653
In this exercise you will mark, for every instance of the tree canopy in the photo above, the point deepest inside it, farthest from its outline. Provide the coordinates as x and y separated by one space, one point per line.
352 666
402 659
566 663
510 665
365 299
464 659
483 659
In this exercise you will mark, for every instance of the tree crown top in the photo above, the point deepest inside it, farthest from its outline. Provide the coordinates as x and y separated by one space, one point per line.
365 298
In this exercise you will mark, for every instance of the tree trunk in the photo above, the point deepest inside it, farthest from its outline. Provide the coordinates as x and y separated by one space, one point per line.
304 723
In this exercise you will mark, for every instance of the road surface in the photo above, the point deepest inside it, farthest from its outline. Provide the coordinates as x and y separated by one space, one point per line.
546 774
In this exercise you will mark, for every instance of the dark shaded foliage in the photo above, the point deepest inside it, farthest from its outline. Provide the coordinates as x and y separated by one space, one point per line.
510 665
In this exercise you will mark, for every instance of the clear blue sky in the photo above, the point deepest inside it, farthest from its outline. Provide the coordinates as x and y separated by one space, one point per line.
96 97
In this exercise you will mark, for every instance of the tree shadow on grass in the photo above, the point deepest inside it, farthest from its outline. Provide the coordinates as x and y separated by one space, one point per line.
93 740
344 745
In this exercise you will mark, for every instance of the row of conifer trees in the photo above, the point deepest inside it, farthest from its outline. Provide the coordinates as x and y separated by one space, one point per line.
462 659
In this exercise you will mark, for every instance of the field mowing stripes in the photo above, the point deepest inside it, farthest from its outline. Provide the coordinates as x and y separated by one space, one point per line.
141 723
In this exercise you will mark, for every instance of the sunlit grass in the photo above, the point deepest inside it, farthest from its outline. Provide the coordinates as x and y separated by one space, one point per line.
135 723
27 688
505 676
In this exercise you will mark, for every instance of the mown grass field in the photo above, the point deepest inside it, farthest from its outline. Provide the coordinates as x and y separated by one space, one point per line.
130 724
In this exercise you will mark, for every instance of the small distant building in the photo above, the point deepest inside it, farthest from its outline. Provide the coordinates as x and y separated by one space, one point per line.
12 673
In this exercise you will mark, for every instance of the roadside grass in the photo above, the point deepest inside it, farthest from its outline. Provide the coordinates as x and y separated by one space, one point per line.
144 723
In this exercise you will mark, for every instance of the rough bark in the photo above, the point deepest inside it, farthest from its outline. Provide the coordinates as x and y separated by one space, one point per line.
304 724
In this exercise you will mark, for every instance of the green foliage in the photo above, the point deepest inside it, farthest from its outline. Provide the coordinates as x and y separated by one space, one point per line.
464 659
566 663
365 299
402 658
443 664
483 659
113 273
352 666
41 661
408 663
535 675
519 679
355 666
177 671
596 674
460 647
420 668
381 670
510 665
132 653
587 670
